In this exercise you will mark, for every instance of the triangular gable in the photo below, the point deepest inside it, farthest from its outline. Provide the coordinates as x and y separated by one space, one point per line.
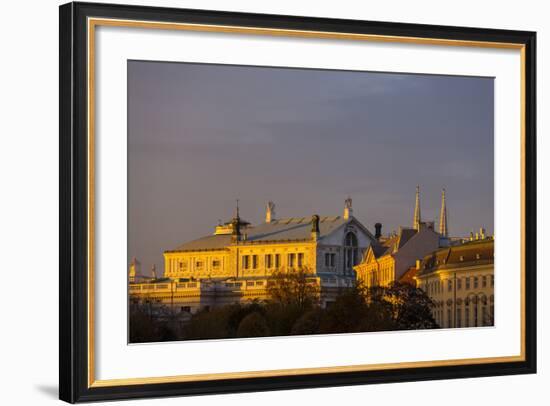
356 223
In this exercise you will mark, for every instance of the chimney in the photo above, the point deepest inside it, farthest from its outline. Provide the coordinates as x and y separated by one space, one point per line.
315 227
269 212
378 230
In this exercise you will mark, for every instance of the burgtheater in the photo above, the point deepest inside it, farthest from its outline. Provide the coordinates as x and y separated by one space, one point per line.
235 262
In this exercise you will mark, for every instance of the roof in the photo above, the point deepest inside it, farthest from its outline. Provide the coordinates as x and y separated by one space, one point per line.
393 243
289 229
467 254
409 275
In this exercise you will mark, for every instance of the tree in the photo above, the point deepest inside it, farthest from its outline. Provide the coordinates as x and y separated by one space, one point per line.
294 288
253 325
410 307
352 312
308 323
149 324
347 312
211 323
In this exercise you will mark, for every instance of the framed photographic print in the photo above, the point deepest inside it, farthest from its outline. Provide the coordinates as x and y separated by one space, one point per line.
257 202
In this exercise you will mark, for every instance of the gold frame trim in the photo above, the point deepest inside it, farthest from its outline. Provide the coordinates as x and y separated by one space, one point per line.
94 22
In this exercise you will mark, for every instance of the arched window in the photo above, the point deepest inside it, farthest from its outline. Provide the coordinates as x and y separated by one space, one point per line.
351 252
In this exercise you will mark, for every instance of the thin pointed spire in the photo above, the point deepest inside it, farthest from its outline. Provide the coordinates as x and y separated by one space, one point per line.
236 225
417 218
443 228
237 208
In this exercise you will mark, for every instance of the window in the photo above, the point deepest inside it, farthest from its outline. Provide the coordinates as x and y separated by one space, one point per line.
492 281
351 250
216 264
199 264
484 319
327 260
484 282
291 260
182 265
449 285
333 260
254 262
186 309
476 316
468 283
300 260
459 284
467 315
249 283
449 318
458 317
476 282
277 260
269 261
246 261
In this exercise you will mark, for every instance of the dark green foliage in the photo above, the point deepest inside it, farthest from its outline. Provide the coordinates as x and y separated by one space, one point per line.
308 323
410 307
293 310
212 323
148 324
346 314
253 325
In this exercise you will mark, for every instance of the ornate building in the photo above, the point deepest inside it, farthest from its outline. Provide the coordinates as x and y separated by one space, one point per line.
234 263
389 259
460 280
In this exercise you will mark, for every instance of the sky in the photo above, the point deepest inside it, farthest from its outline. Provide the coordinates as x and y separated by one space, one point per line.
201 136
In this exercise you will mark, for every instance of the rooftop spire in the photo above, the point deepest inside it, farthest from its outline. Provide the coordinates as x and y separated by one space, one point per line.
417 219
443 230
236 225
237 209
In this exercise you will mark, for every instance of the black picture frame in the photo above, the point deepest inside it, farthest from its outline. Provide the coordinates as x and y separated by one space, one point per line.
73 284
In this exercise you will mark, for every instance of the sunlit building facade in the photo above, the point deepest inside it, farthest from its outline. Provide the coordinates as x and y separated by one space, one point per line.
460 280
235 262
390 258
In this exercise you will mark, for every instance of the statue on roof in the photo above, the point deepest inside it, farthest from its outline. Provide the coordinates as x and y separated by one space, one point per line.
269 212
348 202
348 210
315 223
